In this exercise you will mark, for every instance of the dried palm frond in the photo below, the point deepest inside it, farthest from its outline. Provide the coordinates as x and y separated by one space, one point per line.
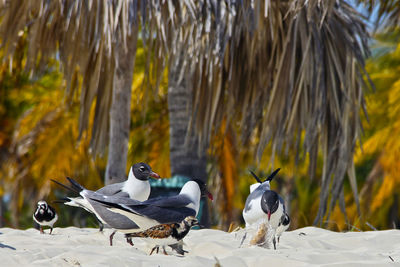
284 68
90 36
297 70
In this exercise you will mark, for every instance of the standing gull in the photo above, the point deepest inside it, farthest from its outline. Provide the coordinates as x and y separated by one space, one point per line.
141 216
273 206
252 209
136 187
264 207
152 212
128 216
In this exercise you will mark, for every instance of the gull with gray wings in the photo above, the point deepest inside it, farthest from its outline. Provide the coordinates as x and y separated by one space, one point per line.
139 216
136 187
265 206
251 211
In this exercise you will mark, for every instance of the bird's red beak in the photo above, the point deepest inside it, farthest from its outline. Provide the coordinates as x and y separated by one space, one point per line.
269 215
154 175
210 196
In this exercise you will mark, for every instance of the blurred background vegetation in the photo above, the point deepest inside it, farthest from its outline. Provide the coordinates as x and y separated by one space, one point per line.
40 139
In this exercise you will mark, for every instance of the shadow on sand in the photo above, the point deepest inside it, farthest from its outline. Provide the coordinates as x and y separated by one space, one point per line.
6 246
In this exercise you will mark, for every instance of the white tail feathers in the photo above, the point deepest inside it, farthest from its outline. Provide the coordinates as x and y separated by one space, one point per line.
80 203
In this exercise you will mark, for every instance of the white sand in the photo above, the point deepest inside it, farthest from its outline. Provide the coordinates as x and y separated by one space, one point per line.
87 247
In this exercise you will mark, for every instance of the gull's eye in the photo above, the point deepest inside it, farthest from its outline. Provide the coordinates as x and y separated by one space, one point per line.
141 168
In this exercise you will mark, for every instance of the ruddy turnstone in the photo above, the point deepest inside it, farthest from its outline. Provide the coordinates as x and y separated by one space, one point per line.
45 215
166 234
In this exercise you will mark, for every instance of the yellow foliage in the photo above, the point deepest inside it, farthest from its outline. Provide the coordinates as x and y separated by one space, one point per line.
226 156
228 167
43 144
382 136
149 137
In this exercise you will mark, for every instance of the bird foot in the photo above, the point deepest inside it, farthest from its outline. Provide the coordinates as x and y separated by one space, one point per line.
129 241
101 226
111 237
165 253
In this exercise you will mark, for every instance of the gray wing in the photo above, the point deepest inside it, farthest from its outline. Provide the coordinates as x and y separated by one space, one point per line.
111 189
257 193
173 201
114 220
164 210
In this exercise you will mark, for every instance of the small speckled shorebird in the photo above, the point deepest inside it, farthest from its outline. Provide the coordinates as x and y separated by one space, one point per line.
166 234
45 215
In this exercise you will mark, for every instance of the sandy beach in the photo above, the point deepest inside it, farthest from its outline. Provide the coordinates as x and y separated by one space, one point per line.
308 246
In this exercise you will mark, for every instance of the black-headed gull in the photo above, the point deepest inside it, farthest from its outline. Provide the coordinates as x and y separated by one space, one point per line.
136 187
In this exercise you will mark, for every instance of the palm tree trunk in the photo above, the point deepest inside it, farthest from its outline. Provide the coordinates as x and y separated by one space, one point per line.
187 157
120 114
1 212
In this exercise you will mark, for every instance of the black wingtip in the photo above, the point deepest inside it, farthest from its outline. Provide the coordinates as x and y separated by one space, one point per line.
112 205
286 221
272 175
255 176
65 186
75 185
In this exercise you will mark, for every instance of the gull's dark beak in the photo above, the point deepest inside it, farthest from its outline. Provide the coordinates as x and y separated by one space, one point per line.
154 175
269 215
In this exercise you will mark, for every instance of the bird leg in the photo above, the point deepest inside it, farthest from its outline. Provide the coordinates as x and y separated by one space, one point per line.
101 226
165 253
129 241
51 230
41 230
111 237
274 242
156 247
